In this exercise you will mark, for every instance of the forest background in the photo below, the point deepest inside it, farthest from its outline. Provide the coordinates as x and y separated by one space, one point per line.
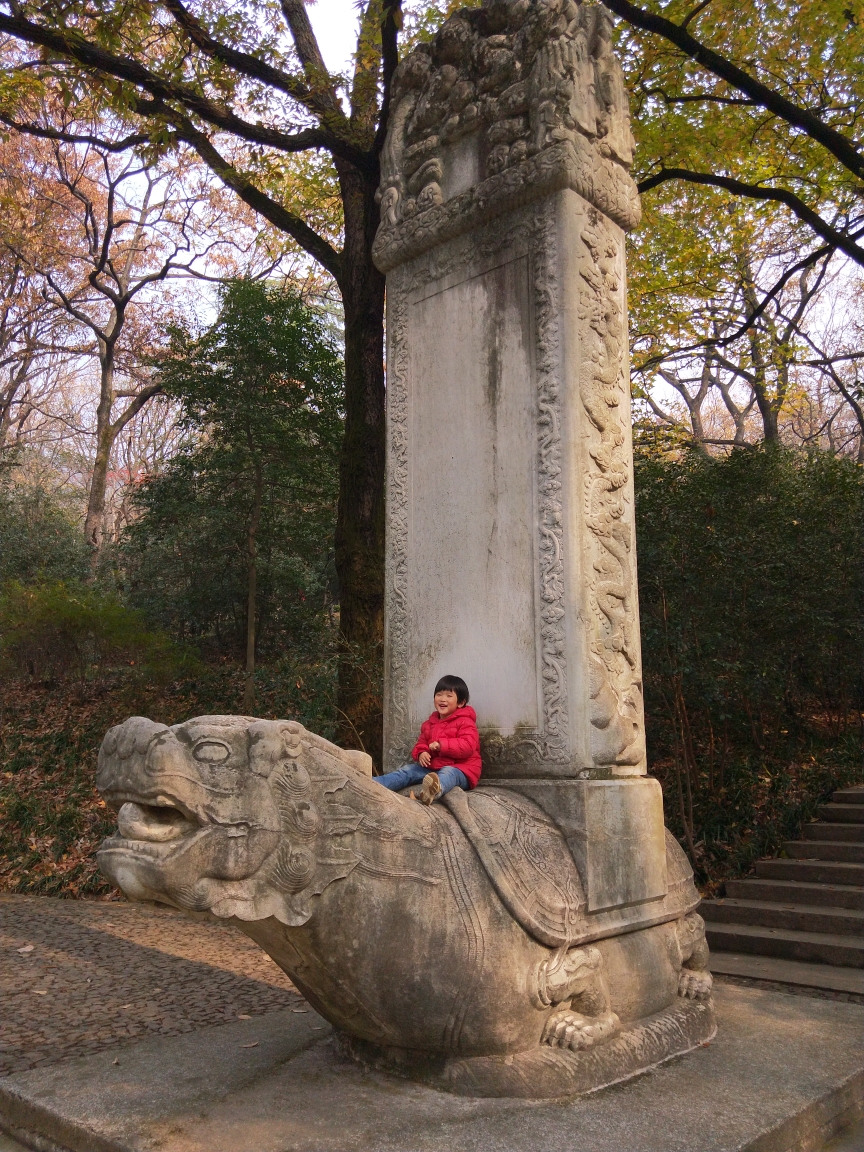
191 407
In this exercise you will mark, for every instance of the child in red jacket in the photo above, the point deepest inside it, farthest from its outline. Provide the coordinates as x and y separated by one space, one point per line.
447 755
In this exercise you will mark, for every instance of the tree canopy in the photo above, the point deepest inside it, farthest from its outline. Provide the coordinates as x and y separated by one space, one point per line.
748 124
232 543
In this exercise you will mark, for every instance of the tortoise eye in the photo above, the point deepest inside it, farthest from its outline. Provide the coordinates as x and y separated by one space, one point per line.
212 752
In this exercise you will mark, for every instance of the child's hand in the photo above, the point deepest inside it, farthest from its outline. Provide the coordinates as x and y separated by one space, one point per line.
425 759
434 747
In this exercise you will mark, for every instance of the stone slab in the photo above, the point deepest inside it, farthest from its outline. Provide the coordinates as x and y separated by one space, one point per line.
493 348
826 976
614 830
785 1074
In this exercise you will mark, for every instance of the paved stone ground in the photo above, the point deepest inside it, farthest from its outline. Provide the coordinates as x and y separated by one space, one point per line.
82 976
79 976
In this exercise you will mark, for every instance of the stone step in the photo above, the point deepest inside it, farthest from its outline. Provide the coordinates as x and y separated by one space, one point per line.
827 976
849 795
853 833
825 850
791 917
797 892
818 947
811 871
842 813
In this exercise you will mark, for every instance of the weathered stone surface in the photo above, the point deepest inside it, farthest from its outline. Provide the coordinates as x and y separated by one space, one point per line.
438 937
511 560
533 940
609 824
783 1075
511 554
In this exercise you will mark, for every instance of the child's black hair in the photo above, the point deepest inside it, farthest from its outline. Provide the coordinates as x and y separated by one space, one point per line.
454 684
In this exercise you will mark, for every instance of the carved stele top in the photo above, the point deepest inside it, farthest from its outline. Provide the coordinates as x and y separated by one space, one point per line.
509 102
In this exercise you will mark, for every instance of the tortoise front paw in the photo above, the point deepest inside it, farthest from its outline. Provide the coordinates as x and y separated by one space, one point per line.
567 1029
695 985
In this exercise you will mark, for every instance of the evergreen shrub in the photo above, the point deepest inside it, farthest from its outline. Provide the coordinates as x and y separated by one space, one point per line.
55 631
751 586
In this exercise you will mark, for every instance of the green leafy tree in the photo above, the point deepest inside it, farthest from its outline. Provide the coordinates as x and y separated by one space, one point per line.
234 541
747 120
763 101
751 590
39 538
53 630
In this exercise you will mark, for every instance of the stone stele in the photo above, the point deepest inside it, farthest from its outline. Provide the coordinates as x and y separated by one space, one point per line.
537 936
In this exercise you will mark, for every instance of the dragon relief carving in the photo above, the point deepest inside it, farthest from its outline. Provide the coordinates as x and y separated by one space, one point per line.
550 525
396 667
615 667
523 77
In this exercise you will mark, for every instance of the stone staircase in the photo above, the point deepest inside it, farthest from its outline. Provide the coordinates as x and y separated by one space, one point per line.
799 920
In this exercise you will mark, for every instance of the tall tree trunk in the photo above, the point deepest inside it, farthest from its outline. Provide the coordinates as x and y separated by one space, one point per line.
360 516
105 435
252 590
768 409
770 425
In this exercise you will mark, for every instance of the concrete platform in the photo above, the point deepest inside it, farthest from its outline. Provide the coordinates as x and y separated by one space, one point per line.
785 1074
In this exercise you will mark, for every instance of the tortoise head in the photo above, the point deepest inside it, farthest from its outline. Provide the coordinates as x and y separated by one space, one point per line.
225 814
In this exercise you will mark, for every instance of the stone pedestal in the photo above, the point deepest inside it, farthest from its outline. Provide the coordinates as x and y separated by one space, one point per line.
614 830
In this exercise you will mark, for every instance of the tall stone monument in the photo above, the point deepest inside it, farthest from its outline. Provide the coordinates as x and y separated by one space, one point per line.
536 936
505 198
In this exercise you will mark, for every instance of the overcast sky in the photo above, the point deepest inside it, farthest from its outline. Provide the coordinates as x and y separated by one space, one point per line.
335 25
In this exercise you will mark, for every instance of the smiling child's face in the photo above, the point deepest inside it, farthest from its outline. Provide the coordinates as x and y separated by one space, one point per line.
446 702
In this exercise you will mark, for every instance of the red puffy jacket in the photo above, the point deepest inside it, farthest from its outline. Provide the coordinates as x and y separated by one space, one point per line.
459 739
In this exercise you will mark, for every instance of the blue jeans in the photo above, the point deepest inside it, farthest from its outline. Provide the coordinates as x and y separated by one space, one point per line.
413 773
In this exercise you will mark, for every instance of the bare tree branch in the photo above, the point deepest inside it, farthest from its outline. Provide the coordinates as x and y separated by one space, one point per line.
138 402
252 66
701 98
835 142
74 46
758 192
270 209
28 129
317 76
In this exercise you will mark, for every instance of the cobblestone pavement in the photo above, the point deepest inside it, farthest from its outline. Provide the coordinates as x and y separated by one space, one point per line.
80 976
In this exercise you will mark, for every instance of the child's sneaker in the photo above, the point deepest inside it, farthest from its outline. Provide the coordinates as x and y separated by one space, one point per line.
431 789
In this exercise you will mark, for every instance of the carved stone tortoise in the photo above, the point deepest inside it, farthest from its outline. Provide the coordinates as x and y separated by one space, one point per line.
450 943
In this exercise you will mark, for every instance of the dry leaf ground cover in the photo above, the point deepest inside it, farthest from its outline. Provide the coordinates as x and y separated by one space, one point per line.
51 818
